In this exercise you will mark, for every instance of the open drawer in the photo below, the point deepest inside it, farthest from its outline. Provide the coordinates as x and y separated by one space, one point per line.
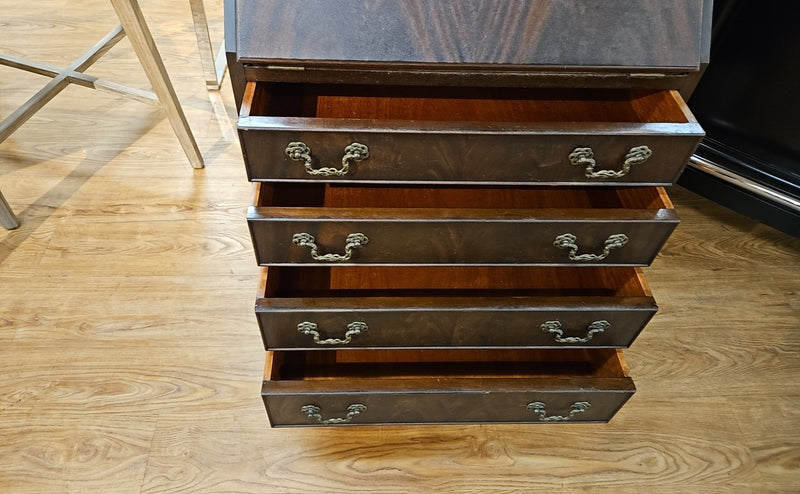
412 134
456 307
317 224
447 386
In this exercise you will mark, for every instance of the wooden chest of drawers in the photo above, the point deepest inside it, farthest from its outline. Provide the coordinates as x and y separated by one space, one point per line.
455 197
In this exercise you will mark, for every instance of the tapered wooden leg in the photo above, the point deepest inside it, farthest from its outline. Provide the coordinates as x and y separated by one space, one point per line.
133 22
7 218
213 69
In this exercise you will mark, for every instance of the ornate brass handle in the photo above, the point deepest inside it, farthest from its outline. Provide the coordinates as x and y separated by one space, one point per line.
354 328
299 151
567 241
539 408
554 327
585 157
352 242
315 412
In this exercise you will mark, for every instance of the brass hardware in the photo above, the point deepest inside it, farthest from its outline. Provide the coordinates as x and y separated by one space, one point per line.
567 241
354 328
315 412
554 327
585 157
539 408
352 242
299 151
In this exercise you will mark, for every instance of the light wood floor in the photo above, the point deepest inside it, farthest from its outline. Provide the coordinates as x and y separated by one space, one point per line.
130 359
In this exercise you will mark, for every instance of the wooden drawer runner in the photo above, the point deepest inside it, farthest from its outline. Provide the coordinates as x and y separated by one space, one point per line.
447 386
464 135
316 224
457 307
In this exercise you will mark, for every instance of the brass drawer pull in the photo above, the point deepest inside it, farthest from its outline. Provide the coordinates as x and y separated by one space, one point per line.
299 151
585 157
567 241
540 408
315 412
352 242
354 328
554 327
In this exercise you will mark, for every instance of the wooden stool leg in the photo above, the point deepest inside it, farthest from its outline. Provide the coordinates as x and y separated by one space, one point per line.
7 218
133 22
213 70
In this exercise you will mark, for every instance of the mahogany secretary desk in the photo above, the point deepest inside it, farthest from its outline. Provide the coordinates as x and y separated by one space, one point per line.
455 199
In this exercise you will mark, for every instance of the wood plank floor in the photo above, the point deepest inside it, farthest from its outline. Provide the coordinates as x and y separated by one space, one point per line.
131 360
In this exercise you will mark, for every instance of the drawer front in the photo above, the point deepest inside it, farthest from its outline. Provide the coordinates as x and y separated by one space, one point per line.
533 156
527 138
443 401
491 238
444 386
325 323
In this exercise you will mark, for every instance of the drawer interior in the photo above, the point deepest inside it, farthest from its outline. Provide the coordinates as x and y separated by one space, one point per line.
415 364
460 281
334 195
343 101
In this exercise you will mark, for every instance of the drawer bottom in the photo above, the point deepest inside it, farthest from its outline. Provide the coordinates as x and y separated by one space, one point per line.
307 388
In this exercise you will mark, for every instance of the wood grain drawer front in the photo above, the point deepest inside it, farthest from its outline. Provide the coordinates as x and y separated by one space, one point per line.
465 135
460 307
447 34
429 386
319 224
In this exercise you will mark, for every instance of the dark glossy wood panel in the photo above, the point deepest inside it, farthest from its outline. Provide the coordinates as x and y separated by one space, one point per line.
471 307
451 226
445 386
523 33
475 135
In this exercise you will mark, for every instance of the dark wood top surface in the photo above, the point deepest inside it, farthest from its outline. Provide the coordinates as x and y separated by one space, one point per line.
595 33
